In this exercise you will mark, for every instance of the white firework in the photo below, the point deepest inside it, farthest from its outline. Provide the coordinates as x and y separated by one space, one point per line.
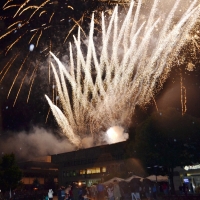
105 88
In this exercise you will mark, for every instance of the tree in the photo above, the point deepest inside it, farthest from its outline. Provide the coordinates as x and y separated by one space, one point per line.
168 139
36 183
10 174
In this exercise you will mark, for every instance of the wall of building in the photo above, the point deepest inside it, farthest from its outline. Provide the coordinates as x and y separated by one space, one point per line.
89 165
39 168
30 180
190 175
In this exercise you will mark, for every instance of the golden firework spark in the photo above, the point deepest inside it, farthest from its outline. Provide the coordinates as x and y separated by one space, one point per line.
183 96
32 78
33 10
6 68
17 75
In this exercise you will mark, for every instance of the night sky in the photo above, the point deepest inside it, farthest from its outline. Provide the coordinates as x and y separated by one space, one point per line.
50 36
25 116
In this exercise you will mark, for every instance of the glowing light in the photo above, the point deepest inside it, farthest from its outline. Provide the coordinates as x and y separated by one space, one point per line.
116 134
190 66
71 7
31 47
79 183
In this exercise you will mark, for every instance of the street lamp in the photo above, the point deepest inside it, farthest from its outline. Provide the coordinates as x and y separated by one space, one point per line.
156 170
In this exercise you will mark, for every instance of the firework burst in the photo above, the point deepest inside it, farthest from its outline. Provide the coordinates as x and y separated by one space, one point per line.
102 91
29 29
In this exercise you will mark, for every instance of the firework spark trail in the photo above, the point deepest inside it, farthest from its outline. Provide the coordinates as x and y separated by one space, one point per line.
173 42
7 67
183 96
25 22
22 82
17 75
32 78
61 118
128 71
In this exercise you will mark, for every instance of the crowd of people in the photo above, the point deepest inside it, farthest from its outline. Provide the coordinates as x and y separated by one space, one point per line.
112 191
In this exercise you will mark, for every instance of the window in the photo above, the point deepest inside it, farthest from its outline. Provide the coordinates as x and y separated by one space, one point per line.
82 171
103 169
95 170
89 171
71 173
98 170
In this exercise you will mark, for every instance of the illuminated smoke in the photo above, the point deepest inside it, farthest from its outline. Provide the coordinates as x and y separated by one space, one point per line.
115 134
38 142
133 65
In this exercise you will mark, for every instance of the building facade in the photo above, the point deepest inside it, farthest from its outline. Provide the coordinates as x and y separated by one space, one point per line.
40 169
98 164
188 175
89 166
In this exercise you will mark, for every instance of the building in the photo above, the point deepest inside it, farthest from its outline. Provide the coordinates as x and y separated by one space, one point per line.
189 175
40 169
88 166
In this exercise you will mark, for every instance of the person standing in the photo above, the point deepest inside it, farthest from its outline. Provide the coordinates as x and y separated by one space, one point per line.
154 191
68 192
93 192
147 190
116 191
75 192
110 192
62 193
59 193
165 188
50 194
100 191
85 193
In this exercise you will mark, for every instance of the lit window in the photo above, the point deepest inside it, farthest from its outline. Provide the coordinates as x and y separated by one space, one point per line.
93 170
82 171
89 171
98 170
103 169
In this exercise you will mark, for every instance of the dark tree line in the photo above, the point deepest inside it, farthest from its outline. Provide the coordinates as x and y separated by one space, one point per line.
10 174
168 139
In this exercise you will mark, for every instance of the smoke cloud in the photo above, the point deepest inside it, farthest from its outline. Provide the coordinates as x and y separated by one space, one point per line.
41 142
38 142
